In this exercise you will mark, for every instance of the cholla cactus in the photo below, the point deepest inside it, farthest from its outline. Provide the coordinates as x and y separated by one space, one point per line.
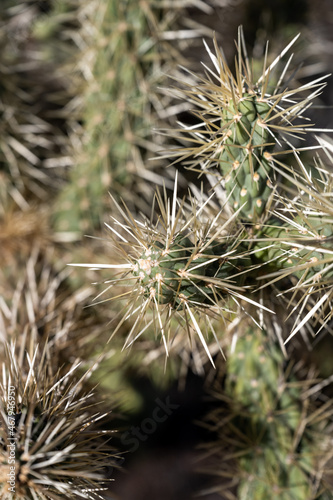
180 267
273 438
51 445
269 240
262 240
245 126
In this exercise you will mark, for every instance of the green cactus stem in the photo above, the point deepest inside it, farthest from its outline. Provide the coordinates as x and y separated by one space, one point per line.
271 438
247 147
296 246
245 125
180 266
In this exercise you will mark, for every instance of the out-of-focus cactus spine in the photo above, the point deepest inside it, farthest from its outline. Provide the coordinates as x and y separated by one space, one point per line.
35 97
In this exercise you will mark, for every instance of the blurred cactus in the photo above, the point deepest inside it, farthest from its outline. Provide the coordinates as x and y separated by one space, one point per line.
35 97
125 54
273 439
50 438
51 442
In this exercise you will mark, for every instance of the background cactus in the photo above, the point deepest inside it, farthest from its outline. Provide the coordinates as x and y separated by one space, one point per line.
35 98
266 425
125 54
51 425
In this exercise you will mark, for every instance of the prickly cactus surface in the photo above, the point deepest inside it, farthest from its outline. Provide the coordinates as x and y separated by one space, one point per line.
182 271
271 430
245 154
298 247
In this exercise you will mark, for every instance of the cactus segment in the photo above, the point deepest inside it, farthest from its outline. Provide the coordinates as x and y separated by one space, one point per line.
275 415
301 252
297 248
244 123
182 271
267 429
243 159
174 265
179 266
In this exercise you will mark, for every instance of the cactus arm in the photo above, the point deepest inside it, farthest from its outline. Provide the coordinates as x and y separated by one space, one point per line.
265 434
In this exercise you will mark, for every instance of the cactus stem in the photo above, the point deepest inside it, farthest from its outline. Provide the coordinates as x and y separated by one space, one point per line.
183 264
